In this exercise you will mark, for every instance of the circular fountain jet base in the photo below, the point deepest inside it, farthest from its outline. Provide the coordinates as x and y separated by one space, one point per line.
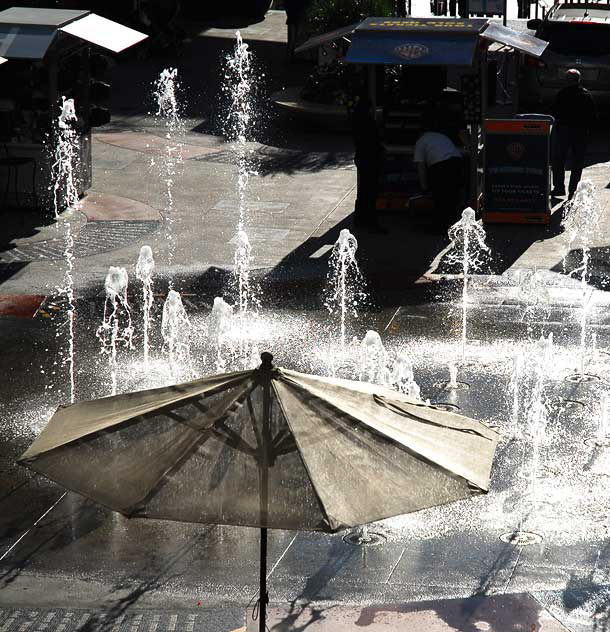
582 378
572 405
599 442
358 538
521 538
446 406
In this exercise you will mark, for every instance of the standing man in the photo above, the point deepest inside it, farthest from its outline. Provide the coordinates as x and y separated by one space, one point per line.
440 170
368 157
575 113
296 12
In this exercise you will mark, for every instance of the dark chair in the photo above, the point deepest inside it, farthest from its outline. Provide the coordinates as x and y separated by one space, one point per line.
13 164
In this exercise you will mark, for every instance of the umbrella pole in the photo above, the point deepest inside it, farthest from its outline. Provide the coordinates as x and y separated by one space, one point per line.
266 367
262 612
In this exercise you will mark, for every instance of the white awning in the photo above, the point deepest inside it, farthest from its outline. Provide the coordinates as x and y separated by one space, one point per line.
103 32
515 39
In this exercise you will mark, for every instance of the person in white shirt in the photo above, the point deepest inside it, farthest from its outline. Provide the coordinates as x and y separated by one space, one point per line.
440 170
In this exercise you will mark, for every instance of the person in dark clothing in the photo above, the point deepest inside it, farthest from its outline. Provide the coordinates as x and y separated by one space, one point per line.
575 113
441 171
296 11
368 158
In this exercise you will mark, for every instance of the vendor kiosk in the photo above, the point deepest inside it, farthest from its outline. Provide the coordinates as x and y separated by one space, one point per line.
48 56
443 65
413 64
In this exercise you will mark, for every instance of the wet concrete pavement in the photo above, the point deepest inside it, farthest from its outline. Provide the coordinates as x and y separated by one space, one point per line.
83 559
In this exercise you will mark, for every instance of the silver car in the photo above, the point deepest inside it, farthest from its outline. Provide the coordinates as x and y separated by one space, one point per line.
578 37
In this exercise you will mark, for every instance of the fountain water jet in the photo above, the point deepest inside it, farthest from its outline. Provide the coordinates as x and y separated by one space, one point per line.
165 92
534 292
238 85
65 196
537 412
452 384
373 360
176 331
220 324
403 378
344 291
145 268
116 328
581 223
467 248
603 430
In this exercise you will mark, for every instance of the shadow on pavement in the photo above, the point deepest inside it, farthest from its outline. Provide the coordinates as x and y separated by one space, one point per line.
598 273
139 588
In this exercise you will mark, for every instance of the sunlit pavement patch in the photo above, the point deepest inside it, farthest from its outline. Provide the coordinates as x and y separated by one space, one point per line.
151 144
105 206
20 305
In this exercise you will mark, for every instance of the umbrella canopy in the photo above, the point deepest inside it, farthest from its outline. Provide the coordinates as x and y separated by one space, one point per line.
270 448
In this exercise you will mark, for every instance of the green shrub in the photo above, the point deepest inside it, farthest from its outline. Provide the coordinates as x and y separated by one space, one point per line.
328 15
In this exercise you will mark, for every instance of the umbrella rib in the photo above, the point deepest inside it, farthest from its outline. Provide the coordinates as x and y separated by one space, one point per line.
234 440
134 507
257 434
394 407
300 389
188 452
135 412
329 521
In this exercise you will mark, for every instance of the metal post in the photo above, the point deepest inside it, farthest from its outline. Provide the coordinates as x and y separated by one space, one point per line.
505 11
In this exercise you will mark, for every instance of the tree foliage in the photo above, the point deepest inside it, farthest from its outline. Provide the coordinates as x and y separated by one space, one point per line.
328 15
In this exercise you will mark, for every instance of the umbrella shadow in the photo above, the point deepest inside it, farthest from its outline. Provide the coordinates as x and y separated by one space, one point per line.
304 604
62 534
585 592
488 580
107 619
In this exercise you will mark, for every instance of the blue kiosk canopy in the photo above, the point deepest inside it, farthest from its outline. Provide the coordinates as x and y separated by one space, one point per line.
431 41
420 41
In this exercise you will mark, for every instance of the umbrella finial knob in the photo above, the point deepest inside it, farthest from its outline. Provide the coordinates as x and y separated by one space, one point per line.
266 360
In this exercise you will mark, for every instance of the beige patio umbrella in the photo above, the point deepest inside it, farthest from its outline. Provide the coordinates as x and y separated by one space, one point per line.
268 448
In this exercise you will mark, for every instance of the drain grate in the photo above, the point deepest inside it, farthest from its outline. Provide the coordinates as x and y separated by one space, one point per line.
92 239
521 538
